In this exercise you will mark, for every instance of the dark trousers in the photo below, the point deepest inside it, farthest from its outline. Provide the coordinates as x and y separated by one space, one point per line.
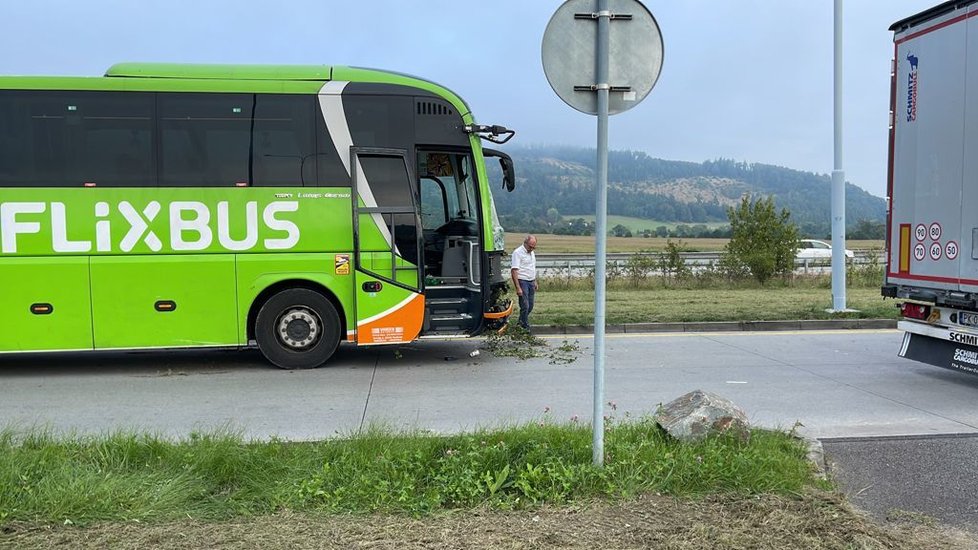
526 302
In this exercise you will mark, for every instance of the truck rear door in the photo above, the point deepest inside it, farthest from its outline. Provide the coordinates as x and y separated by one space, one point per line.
967 246
927 193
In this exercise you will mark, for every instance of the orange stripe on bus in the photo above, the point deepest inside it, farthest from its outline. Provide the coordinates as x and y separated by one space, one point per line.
400 325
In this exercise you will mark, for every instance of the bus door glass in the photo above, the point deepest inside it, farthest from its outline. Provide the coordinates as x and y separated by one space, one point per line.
386 233
449 208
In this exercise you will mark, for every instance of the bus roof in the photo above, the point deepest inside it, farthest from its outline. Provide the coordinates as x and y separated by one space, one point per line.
318 73
184 77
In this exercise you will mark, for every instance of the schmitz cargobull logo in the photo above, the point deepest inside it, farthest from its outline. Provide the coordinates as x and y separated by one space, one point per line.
912 84
190 226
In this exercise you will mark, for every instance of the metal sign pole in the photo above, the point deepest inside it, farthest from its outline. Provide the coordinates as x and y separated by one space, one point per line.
838 181
601 232
577 60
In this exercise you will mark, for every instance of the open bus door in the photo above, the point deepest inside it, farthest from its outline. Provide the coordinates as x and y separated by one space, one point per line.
453 252
387 262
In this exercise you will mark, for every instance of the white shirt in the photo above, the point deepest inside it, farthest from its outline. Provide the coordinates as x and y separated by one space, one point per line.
526 264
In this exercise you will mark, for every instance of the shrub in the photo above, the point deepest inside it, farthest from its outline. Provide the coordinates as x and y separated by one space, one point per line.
672 264
763 242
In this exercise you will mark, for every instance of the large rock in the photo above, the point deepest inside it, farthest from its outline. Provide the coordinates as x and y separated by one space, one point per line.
700 414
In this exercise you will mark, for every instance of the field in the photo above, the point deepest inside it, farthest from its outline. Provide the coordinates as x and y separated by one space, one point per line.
640 224
572 244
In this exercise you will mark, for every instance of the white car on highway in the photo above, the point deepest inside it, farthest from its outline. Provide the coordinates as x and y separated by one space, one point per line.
811 249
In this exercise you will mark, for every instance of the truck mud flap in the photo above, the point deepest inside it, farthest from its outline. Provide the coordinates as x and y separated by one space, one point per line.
940 353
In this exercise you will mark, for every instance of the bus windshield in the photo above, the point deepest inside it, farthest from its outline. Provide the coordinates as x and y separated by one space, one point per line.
448 196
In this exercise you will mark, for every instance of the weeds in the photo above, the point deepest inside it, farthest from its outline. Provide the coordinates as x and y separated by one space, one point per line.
129 477
668 269
711 293
673 305
869 274
672 265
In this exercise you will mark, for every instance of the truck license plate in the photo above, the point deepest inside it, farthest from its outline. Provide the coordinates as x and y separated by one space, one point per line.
970 319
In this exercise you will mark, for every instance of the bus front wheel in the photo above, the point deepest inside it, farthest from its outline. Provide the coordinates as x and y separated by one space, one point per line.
297 329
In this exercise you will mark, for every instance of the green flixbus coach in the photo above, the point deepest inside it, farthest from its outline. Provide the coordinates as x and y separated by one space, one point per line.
283 207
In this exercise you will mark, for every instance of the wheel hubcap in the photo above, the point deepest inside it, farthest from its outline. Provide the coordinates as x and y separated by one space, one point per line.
298 328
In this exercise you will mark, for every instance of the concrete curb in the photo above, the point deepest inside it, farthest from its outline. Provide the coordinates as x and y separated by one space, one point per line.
816 455
726 326
815 452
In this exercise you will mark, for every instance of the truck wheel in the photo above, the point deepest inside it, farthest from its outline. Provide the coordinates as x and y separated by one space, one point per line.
297 329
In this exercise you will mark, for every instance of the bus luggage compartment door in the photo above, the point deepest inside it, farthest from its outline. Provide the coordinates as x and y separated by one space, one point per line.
164 301
46 304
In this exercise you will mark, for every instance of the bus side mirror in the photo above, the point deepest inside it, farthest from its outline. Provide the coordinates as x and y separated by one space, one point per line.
506 163
509 173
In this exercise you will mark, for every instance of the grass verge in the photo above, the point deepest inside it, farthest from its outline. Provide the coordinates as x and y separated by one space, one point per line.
572 306
526 487
130 477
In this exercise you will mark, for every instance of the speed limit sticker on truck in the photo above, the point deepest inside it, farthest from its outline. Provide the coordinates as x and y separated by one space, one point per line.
951 250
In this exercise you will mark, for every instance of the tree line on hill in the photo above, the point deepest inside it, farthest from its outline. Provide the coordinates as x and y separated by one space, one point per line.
556 186
870 230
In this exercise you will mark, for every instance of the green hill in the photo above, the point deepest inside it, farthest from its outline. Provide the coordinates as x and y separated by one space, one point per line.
557 183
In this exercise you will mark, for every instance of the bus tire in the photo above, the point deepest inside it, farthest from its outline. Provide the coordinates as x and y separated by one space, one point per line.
297 329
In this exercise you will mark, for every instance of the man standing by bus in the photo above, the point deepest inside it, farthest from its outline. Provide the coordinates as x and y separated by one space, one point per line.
524 273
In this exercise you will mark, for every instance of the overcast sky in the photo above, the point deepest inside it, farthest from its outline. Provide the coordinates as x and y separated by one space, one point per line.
744 79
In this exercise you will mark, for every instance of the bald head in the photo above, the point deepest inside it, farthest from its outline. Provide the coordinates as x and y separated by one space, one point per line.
530 243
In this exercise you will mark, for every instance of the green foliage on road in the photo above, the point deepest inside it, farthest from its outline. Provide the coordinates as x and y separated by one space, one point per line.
145 478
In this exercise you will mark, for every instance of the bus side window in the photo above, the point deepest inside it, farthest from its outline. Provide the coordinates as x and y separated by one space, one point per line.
434 203
283 141
67 139
391 187
32 148
116 139
331 171
205 139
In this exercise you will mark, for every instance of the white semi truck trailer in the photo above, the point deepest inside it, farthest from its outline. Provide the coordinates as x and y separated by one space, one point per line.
932 236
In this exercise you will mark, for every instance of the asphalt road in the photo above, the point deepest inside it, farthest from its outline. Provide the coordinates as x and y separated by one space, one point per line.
900 477
838 384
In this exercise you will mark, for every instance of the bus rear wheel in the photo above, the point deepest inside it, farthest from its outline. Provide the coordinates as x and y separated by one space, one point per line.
297 329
